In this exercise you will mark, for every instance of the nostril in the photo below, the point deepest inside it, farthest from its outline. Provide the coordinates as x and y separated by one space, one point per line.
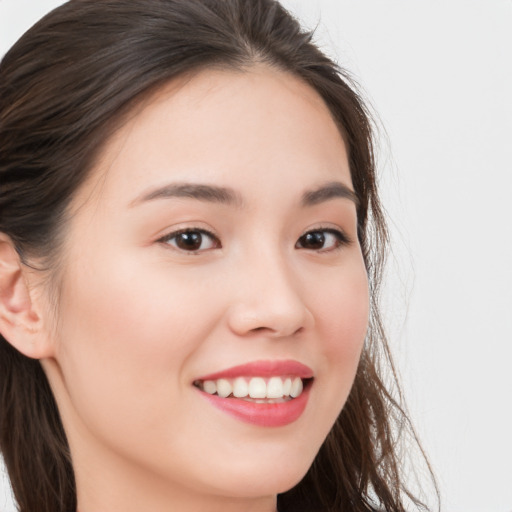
261 317
278 332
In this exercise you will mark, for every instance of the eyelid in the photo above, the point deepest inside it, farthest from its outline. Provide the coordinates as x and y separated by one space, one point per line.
340 234
189 229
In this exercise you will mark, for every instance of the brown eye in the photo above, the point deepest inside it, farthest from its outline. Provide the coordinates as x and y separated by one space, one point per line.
322 240
313 240
192 240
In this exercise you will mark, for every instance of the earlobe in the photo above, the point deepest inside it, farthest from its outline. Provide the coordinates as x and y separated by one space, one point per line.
20 322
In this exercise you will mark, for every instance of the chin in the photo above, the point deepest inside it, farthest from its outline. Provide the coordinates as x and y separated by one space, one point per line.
263 478
267 485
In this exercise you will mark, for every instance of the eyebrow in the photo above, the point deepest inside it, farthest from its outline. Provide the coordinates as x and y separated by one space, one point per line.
228 196
331 190
202 192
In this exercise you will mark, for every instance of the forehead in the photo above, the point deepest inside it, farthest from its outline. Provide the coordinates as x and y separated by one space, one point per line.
229 127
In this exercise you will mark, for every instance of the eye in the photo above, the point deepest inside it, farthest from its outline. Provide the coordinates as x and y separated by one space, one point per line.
191 240
322 240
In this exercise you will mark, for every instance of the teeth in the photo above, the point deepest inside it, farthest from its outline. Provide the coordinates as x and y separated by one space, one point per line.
224 388
256 388
210 387
275 388
240 388
296 387
287 387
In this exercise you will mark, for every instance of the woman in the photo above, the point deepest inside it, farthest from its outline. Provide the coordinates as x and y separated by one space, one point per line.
190 252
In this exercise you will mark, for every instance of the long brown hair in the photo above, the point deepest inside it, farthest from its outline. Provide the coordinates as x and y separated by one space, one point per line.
64 88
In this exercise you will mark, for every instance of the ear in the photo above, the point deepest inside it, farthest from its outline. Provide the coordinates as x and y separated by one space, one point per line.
20 320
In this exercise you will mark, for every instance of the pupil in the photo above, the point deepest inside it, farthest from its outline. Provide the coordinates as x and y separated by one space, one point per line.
315 240
189 241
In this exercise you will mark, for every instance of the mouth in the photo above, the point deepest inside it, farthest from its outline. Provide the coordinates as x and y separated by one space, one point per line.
277 389
262 393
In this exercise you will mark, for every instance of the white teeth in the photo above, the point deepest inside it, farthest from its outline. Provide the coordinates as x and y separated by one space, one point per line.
275 388
287 387
257 388
210 387
240 387
224 388
296 387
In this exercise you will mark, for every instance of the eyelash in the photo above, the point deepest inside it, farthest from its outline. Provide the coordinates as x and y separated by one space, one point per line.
341 239
170 236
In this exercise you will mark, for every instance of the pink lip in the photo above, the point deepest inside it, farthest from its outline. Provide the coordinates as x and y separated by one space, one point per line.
263 369
262 414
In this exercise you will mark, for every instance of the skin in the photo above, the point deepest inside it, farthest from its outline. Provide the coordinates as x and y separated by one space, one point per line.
139 319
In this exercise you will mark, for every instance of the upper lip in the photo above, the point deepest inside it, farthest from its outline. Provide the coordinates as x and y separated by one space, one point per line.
263 369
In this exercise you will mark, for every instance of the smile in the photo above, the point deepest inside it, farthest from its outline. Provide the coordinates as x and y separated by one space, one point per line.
254 388
263 393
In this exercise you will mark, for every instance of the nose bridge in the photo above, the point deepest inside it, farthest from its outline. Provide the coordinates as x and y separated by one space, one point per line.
268 295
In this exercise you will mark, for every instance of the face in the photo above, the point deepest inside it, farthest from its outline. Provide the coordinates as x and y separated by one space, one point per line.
212 252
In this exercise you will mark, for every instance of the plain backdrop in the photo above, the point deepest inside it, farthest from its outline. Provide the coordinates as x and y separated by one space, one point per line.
439 75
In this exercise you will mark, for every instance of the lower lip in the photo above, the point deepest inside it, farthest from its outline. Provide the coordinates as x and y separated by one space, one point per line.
262 414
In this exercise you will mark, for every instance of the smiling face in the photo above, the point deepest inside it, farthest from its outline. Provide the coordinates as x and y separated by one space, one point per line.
213 251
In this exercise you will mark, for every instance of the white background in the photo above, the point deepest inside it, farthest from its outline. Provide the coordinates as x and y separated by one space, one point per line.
439 74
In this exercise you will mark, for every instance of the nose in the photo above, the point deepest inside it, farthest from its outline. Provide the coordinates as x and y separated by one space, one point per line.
269 298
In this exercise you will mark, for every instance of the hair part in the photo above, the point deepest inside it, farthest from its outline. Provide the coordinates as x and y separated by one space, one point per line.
65 87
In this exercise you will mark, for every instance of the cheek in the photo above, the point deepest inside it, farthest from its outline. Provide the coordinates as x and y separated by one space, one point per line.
344 314
343 323
131 312
126 335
